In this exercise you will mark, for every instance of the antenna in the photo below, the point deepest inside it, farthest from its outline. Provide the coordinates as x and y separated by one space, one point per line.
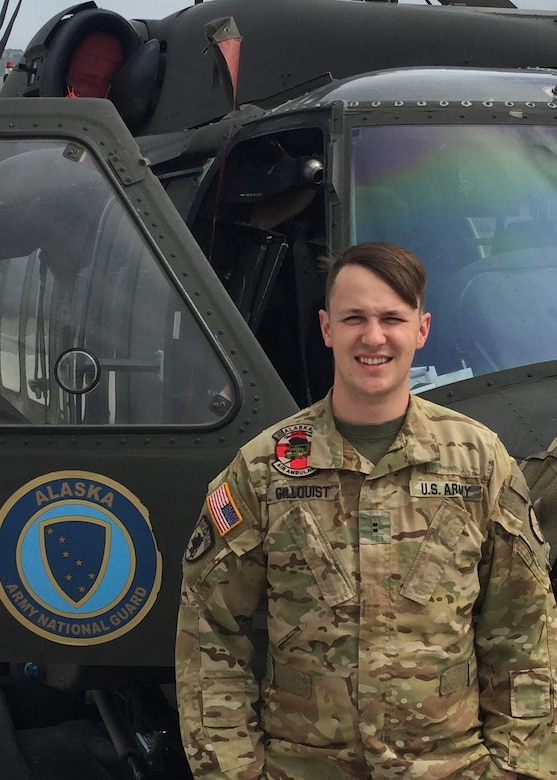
8 30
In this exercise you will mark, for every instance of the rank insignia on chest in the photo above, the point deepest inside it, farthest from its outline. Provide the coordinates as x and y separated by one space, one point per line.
292 450
224 512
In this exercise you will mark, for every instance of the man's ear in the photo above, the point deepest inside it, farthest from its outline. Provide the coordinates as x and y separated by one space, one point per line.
325 327
423 332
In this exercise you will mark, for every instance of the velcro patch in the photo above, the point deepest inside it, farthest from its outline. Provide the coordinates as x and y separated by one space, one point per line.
224 512
302 492
454 678
424 489
292 680
514 502
375 526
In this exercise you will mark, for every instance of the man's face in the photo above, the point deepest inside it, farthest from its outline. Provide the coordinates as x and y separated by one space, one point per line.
373 334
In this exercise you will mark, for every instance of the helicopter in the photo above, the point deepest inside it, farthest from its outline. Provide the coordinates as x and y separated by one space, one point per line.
169 188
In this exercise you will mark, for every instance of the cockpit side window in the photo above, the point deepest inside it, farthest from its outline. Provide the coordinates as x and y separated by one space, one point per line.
92 331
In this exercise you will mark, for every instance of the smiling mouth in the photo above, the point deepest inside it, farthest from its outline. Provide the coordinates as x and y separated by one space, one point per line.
373 361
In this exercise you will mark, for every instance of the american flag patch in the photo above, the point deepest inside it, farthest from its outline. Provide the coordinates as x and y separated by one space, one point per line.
223 509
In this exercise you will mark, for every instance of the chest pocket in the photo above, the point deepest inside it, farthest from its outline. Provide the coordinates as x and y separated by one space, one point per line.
319 555
435 552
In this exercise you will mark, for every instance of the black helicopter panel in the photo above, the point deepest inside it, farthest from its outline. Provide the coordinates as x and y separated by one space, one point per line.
170 74
286 44
137 354
119 402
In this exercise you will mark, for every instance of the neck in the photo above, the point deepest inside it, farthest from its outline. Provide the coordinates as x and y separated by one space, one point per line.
368 411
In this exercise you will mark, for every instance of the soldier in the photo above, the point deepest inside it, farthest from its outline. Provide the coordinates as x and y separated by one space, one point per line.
410 617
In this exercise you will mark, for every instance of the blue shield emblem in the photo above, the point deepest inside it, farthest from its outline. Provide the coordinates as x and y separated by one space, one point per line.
75 554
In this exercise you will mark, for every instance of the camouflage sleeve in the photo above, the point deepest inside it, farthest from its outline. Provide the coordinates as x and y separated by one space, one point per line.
223 580
516 633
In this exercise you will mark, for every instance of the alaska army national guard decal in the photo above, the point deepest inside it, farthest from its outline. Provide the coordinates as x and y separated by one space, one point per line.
79 563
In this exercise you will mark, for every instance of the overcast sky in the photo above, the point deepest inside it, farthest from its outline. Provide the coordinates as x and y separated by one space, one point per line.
34 13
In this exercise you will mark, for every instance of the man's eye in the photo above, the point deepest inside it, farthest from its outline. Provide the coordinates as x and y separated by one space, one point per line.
353 318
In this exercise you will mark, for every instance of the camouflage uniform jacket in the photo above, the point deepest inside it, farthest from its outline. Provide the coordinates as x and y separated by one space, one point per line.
410 615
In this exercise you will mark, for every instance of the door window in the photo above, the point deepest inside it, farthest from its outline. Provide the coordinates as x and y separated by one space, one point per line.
92 330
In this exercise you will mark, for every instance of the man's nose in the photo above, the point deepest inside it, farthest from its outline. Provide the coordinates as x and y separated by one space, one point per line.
373 334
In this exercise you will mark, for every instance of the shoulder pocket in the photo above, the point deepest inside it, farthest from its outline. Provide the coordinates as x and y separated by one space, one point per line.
435 552
536 563
205 580
518 519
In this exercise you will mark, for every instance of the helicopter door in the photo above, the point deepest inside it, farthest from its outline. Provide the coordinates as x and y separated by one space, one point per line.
128 379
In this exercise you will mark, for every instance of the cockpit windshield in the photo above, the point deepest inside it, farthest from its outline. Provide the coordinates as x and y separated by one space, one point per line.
478 205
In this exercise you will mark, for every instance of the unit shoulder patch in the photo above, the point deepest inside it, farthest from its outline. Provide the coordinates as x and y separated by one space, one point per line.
292 450
201 541
533 534
535 526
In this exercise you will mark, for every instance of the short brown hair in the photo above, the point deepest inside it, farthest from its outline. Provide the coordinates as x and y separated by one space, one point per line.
396 266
